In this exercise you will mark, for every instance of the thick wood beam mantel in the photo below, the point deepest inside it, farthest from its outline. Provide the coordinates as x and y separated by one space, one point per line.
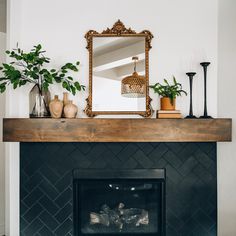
117 130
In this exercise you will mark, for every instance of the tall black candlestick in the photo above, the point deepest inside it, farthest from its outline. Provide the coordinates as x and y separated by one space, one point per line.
205 65
190 75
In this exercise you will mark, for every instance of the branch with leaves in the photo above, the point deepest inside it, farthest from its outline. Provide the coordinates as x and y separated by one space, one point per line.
29 67
168 90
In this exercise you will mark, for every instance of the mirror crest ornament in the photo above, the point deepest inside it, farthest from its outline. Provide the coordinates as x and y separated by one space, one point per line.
118 31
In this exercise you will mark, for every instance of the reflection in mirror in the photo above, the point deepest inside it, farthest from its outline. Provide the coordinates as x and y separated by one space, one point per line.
134 86
112 62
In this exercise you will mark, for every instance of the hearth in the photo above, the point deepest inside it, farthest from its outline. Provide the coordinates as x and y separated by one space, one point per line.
46 184
127 202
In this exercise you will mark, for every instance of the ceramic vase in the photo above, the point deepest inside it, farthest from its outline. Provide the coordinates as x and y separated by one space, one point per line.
65 101
56 107
70 110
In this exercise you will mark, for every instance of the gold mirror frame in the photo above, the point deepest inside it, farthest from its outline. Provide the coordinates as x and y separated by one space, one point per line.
118 30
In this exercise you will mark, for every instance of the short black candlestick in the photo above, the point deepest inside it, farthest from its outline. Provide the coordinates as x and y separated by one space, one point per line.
190 75
205 65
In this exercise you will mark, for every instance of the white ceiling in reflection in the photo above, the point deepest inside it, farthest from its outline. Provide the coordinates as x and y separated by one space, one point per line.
112 56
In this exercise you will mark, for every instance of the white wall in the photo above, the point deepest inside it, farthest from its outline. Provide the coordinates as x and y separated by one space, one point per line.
2 149
185 34
226 107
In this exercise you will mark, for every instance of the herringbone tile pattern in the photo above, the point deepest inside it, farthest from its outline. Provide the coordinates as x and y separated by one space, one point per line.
46 182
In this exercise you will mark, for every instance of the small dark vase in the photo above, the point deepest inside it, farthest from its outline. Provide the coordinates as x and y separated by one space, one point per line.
190 75
39 103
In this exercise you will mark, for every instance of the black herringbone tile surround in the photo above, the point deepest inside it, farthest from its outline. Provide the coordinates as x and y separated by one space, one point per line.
46 182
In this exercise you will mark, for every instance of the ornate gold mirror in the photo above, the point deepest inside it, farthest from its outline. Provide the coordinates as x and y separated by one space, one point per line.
118 72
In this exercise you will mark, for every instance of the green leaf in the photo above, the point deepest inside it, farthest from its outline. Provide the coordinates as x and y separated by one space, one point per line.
2 89
73 90
68 88
64 71
58 79
77 86
15 85
35 69
44 71
74 68
22 82
64 84
166 81
77 63
6 66
38 47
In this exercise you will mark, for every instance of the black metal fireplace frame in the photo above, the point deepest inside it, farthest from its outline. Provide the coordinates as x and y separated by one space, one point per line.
154 175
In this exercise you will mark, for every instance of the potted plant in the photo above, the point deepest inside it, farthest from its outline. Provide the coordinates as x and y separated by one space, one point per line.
168 93
29 68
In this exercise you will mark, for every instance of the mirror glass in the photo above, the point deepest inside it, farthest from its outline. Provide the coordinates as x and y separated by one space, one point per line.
112 61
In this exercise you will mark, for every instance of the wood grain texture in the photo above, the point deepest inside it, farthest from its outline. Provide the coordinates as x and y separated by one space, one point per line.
117 130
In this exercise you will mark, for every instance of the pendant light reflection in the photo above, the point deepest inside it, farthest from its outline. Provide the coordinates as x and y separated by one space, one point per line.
133 86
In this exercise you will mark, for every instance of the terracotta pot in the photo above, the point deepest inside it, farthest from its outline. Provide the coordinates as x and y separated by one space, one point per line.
56 107
166 104
70 110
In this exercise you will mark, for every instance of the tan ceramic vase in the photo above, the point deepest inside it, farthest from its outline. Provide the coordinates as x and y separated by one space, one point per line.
65 98
70 110
65 101
56 107
166 104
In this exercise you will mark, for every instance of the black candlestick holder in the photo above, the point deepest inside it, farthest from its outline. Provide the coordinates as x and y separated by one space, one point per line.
205 65
190 75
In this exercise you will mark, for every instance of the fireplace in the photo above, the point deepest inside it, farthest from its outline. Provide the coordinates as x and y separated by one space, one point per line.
128 202
47 185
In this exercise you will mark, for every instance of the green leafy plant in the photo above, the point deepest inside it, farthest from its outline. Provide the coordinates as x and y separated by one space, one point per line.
168 90
29 67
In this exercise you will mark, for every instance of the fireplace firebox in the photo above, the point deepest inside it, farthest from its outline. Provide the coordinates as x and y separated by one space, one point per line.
124 202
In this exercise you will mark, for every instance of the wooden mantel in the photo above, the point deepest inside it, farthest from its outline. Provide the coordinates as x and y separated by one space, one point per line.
117 130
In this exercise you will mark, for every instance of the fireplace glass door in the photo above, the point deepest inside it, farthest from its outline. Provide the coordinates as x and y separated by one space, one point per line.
118 206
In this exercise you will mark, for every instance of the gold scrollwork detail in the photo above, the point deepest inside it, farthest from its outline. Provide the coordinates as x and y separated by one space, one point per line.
119 28
89 36
149 37
88 109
